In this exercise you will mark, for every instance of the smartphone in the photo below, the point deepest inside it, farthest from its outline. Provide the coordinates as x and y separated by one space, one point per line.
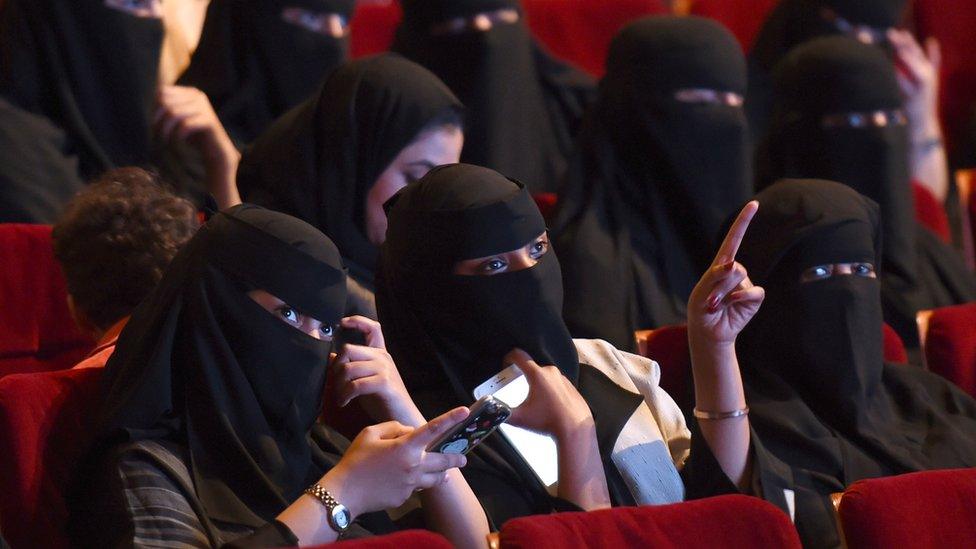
538 450
486 415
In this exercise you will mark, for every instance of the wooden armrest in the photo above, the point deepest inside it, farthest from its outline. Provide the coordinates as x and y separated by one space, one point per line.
835 500
494 540
922 321
965 181
642 336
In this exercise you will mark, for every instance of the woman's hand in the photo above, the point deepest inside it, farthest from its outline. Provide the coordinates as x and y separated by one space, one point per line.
388 462
185 114
918 76
553 407
725 300
368 372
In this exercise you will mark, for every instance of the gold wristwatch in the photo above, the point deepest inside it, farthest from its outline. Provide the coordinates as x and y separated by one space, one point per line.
339 516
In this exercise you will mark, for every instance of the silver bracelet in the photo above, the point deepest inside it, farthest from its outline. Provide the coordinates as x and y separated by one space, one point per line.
721 415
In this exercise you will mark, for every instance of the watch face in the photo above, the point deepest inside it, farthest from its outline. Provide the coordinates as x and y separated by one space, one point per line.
340 517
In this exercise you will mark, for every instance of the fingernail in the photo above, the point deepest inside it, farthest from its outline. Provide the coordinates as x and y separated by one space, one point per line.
464 461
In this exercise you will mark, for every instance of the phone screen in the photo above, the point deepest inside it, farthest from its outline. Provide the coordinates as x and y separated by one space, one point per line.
539 451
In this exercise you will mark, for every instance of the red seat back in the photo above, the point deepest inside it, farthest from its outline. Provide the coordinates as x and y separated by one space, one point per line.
546 203
408 539
37 332
931 509
930 213
578 31
723 521
743 17
46 421
950 345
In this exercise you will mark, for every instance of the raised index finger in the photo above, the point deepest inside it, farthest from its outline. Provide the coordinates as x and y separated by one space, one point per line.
372 330
730 246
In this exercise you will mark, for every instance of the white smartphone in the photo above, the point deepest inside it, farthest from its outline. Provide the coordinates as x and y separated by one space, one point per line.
539 451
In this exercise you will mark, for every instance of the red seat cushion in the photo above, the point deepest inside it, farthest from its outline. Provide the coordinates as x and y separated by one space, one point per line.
408 539
372 27
46 421
546 203
38 333
930 213
743 17
950 346
894 347
723 521
931 509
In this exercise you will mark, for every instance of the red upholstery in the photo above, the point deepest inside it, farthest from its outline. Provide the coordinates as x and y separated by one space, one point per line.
950 345
952 23
38 333
546 203
930 213
45 425
408 539
894 347
723 521
576 30
927 510
743 17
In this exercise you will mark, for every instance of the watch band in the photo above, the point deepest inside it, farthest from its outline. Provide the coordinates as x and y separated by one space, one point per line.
332 507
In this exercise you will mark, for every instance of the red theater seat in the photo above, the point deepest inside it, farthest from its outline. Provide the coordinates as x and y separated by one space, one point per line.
927 510
546 203
46 421
930 213
578 31
37 331
723 521
743 17
949 344
408 539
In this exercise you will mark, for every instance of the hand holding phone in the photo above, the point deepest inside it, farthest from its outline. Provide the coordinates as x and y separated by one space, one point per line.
485 416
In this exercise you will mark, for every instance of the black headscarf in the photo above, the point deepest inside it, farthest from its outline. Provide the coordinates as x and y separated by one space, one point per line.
254 66
37 174
793 22
90 69
652 179
838 75
203 365
822 400
452 331
524 105
319 161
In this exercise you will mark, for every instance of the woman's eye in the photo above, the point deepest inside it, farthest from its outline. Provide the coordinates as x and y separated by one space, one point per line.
326 331
493 265
863 269
290 315
816 273
540 248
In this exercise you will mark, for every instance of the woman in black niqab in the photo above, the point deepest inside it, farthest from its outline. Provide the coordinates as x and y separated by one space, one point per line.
524 106
653 177
823 403
793 22
90 69
320 160
254 64
838 115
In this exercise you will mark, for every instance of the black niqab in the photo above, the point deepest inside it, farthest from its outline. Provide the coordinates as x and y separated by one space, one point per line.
88 68
254 66
203 365
821 398
319 161
652 179
838 75
454 330
524 106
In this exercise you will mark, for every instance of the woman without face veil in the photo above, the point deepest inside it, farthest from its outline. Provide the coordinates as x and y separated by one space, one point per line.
467 276
208 430
824 405
524 106
838 115
661 163
256 60
376 125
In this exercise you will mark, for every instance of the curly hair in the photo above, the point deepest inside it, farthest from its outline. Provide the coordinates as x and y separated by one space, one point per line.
115 239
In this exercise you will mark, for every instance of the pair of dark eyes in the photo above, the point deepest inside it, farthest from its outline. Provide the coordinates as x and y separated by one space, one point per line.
820 272
495 264
297 319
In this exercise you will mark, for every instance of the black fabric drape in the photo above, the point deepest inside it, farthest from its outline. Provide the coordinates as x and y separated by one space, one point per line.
90 69
524 106
319 161
37 175
254 66
838 75
652 179
822 401
793 22
203 365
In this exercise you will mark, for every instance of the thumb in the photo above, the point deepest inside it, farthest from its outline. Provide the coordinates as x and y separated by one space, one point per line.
426 434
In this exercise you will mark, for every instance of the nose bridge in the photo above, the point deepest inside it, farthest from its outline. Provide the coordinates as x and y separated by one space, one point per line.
521 259
335 26
843 269
481 22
